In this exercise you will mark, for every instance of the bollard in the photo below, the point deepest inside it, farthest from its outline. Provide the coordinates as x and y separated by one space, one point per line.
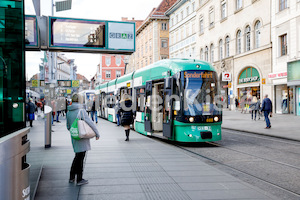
48 125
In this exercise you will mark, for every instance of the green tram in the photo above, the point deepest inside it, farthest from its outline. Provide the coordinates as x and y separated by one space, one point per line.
174 99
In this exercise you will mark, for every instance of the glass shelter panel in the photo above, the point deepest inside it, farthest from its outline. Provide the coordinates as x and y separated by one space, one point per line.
12 67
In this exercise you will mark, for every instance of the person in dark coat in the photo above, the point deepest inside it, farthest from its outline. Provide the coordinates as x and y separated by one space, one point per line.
79 146
236 103
31 110
94 111
126 114
267 109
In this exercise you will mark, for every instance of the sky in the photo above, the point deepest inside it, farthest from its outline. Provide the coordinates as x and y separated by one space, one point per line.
88 9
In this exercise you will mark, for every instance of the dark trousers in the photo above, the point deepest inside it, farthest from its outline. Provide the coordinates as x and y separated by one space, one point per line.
266 114
253 111
77 166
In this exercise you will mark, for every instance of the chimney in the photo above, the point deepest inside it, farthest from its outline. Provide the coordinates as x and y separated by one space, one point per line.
133 18
124 18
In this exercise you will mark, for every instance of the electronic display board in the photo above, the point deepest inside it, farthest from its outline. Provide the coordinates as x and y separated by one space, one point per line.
76 33
31 32
64 83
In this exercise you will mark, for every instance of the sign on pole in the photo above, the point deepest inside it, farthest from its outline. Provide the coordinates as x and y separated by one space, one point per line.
63 5
75 83
34 83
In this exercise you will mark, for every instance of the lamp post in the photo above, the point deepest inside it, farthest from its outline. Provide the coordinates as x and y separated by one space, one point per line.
126 61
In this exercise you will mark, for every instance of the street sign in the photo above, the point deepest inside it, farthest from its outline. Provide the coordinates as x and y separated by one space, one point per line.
64 83
75 83
63 5
34 83
69 91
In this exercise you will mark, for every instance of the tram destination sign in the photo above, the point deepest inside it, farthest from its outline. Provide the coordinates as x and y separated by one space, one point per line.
83 35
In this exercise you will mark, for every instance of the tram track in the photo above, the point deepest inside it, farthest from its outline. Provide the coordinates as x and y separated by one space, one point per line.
238 170
233 168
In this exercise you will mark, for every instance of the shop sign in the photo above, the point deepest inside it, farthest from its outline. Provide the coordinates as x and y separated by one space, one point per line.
263 81
277 75
226 76
249 79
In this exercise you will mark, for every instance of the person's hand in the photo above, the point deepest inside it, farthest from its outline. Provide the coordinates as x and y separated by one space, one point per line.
97 138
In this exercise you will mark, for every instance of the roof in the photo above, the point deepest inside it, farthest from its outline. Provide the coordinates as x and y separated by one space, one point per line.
81 77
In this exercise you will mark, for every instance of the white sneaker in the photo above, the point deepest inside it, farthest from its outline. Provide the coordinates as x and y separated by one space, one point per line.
82 182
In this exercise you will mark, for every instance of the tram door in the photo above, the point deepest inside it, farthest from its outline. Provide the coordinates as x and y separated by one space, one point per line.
167 110
147 118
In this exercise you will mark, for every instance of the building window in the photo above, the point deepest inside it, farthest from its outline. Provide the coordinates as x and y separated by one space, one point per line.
283 44
227 41
201 54
187 26
193 5
107 60
107 74
247 38
282 4
223 10
164 43
181 14
146 47
176 19
211 18
118 73
239 4
201 25
172 21
118 60
221 49
193 52
206 53
150 60
257 34
239 42
150 45
164 57
212 53
164 26
187 11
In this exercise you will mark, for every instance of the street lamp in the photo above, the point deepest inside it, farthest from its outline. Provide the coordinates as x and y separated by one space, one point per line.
126 61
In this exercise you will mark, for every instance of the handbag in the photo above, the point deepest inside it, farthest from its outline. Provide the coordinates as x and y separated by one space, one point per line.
85 131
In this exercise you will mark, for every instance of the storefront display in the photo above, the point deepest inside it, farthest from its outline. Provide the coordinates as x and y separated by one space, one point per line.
293 81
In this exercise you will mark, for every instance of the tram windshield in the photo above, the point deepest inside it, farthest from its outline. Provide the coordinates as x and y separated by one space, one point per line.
201 93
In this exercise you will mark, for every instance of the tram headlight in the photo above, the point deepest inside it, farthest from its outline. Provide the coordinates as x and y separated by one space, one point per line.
191 119
216 119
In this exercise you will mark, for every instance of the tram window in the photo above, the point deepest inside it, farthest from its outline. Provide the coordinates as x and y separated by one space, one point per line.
140 99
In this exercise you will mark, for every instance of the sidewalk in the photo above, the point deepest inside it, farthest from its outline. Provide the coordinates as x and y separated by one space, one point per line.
139 169
283 125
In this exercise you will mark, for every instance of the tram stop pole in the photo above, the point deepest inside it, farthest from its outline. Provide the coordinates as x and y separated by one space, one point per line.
48 125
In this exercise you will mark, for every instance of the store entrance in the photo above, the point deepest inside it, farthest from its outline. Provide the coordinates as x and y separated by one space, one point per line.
246 94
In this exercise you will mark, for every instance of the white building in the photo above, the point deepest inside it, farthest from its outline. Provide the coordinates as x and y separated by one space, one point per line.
63 69
235 36
182 23
285 74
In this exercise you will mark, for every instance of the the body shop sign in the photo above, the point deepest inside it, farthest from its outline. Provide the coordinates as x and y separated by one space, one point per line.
249 75
121 36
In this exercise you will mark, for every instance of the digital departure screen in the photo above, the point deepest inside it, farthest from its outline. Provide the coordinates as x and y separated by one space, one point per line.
31 36
77 33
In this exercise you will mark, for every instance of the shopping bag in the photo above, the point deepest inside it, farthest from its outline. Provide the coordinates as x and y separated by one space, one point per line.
85 131
74 129
31 116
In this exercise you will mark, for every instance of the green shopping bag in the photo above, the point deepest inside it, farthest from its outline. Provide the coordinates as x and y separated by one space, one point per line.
74 130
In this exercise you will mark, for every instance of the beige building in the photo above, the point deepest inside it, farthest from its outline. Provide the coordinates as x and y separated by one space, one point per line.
182 29
152 38
285 74
236 37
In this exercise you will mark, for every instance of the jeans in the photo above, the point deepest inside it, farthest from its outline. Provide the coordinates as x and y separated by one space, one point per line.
77 166
57 116
266 114
253 111
118 119
94 113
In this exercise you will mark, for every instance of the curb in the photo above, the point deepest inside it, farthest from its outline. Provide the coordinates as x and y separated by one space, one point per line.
274 136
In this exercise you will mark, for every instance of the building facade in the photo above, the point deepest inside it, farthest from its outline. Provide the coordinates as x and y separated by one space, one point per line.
182 29
285 74
110 67
63 69
152 38
235 36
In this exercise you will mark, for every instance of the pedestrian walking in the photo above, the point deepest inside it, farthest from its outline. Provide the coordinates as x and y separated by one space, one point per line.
81 146
117 112
126 114
236 103
254 107
267 109
94 111
31 110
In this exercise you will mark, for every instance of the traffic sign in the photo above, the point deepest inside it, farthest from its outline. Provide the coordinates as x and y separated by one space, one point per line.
75 83
34 83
